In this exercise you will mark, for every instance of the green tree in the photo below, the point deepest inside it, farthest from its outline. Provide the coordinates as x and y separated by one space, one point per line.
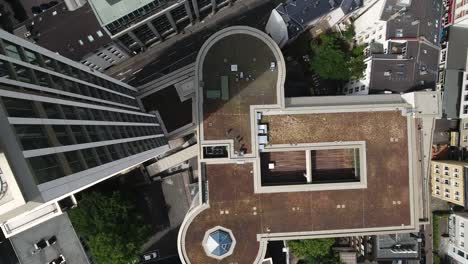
349 33
330 258
113 229
329 61
356 63
311 247
334 59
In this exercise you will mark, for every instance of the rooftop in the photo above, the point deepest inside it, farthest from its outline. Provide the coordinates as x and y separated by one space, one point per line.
110 10
328 163
68 243
397 246
299 14
57 30
415 69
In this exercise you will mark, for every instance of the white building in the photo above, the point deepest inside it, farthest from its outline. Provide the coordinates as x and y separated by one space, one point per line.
460 12
369 26
458 242
452 72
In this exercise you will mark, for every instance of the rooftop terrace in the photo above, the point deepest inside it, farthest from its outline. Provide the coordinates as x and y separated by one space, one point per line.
292 179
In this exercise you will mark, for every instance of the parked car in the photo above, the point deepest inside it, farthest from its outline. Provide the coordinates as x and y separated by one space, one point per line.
150 255
44 7
59 260
36 10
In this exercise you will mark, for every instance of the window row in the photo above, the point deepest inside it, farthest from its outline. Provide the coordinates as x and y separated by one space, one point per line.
20 73
29 109
54 166
20 53
137 15
42 136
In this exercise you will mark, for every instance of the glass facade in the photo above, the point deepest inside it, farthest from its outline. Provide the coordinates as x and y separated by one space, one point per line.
66 118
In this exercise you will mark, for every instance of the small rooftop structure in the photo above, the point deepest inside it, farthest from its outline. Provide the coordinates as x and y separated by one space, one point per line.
219 242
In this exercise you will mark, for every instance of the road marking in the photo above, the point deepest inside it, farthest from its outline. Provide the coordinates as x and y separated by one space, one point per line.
154 62
137 71
123 79
172 53
242 17
125 72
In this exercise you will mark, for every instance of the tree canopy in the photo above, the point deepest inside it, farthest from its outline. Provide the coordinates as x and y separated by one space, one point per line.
314 251
111 226
334 58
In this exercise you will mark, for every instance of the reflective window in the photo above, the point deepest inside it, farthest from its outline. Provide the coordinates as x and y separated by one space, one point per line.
92 132
114 152
73 159
4 72
42 78
52 111
23 74
78 134
101 151
69 112
49 63
12 50
46 168
62 135
19 108
31 57
89 157
32 136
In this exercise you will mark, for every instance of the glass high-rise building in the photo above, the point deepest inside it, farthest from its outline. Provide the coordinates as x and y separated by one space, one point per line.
63 128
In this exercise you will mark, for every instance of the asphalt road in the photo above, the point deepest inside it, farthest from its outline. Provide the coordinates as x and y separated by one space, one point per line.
182 49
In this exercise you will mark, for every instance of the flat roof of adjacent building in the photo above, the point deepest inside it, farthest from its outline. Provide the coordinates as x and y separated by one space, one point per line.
414 70
73 34
68 244
242 88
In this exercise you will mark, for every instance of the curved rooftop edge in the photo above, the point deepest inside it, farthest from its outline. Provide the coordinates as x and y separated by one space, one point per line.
281 73
240 74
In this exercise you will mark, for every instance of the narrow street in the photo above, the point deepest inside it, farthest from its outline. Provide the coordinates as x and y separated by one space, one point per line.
182 49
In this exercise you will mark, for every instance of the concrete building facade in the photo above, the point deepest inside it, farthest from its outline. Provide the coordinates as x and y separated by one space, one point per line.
452 72
460 12
463 133
140 24
458 242
448 181
64 127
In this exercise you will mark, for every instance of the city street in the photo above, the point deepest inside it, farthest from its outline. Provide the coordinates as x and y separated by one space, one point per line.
182 49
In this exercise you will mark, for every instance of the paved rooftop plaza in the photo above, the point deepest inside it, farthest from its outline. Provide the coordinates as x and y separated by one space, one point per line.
241 104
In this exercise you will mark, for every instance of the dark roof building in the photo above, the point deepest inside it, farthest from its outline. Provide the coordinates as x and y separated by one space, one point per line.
453 71
408 61
76 34
298 15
